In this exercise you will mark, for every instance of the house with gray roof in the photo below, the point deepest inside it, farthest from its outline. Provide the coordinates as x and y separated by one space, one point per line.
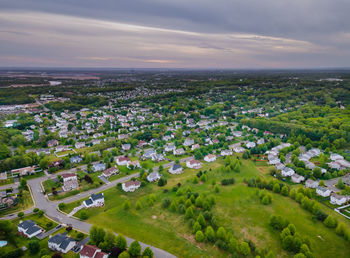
61 243
95 200
29 228
175 169
153 177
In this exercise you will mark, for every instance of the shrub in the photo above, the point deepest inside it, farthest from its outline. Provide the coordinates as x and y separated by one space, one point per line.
166 203
221 233
20 214
199 236
33 246
147 253
229 181
83 215
216 189
126 205
244 248
36 210
330 222
135 249
210 234
124 254
120 242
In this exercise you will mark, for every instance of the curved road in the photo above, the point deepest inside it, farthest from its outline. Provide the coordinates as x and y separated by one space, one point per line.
51 210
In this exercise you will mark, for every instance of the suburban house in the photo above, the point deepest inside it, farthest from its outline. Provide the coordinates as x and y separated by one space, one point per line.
123 161
153 177
175 169
226 153
287 172
79 145
75 159
338 199
95 200
110 171
98 167
297 178
23 171
193 164
238 149
188 142
52 143
29 229
91 251
157 157
70 181
311 183
195 146
149 154
131 186
323 191
133 164
179 151
210 158
250 145
61 243
126 146
3 176
169 147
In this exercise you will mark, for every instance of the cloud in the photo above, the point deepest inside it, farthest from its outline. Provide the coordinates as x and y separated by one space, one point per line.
154 33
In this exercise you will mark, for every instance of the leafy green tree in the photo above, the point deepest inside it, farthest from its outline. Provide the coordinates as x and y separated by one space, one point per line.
147 253
189 213
196 227
124 254
126 205
244 248
34 246
120 242
20 214
83 215
221 233
199 236
284 191
276 188
201 220
108 241
135 249
97 235
330 222
210 234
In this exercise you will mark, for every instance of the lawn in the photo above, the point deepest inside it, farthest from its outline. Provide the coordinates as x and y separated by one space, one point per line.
7 181
237 207
25 203
42 221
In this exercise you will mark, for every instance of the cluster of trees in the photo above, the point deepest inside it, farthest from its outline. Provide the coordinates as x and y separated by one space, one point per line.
291 240
303 197
117 245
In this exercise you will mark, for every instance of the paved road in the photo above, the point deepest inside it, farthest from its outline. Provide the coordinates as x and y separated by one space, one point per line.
50 207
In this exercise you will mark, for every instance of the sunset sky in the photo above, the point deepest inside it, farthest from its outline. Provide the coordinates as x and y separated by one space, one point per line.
175 34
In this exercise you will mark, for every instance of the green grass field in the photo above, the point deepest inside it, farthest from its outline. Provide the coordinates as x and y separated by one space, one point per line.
238 209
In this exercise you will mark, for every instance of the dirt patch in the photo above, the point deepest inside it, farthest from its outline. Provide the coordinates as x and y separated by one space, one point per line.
154 217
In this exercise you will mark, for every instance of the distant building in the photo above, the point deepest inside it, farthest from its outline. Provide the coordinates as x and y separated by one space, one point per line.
70 181
131 186
337 199
311 183
323 191
110 172
90 251
153 177
193 164
210 158
175 169
123 161
98 167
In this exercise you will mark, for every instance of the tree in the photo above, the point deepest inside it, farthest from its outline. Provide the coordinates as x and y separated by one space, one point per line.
221 233
201 220
120 242
199 236
284 191
138 205
20 214
340 184
340 230
189 213
244 248
41 213
124 254
216 189
330 222
83 215
147 253
135 249
108 242
196 227
33 246
97 235
210 234
276 188
126 205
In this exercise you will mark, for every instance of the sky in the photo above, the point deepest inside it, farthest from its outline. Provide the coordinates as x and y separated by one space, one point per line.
233 34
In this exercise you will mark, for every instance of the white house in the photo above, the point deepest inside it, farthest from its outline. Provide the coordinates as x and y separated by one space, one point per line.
95 200
98 167
131 186
226 153
179 151
175 169
79 145
250 145
110 171
123 161
323 191
297 178
169 147
29 229
210 158
311 183
238 149
70 181
287 172
133 164
188 142
61 243
193 164
338 199
90 251
153 177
